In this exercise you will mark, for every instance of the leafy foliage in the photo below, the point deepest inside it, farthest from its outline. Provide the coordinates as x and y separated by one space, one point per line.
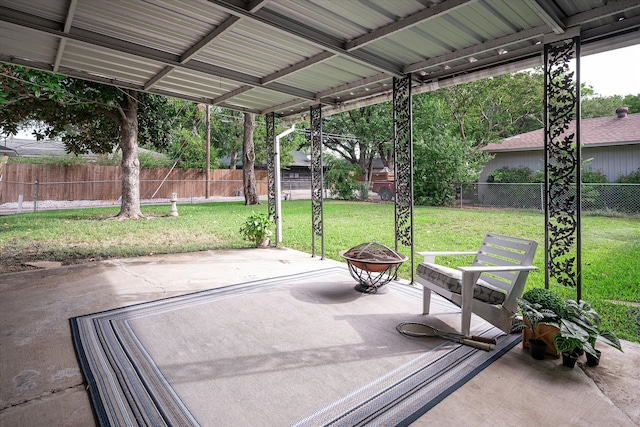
87 117
361 135
340 177
189 151
440 164
605 106
581 328
547 299
508 174
491 109
533 315
632 178
256 228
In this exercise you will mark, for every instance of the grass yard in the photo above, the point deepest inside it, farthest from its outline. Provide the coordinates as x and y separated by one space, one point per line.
611 246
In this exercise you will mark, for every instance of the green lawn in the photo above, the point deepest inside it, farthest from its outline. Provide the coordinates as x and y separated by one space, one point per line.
611 246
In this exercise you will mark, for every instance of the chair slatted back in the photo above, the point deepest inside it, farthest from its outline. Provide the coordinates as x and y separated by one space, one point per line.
504 250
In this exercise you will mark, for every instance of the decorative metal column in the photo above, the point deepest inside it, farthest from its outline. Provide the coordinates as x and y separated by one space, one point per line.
403 164
562 165
316 179
270 120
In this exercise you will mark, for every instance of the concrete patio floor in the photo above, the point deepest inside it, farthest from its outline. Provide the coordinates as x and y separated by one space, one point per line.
41 383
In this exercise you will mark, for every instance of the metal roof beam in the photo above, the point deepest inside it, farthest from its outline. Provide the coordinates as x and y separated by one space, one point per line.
219 30
297 67
354 84
231 94
155 79
306 33
63 41
479 48
548 14
51 27
438 10
610 9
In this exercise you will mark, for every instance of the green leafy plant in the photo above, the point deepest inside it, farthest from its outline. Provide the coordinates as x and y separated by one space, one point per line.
581 329
533 315
257 228
547 299
341 178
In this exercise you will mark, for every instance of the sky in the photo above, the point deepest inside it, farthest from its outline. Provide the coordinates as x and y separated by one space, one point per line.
616 72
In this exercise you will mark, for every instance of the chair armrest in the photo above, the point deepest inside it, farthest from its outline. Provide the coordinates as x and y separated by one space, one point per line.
431 256
491 268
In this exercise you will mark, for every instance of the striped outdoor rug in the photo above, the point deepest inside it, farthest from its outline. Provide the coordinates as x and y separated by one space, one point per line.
302 350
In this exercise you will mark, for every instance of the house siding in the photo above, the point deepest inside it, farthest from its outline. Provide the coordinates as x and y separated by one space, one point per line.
534 160
612 161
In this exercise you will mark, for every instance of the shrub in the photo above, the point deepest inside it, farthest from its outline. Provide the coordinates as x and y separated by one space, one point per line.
547 299
521 174
593 177
340 177
632 178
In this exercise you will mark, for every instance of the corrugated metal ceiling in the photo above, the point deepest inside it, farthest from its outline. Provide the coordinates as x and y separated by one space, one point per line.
284 55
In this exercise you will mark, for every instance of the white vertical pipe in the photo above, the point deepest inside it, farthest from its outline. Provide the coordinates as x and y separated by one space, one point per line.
278 195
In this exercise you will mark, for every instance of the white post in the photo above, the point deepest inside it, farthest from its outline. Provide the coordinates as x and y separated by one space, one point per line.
278 190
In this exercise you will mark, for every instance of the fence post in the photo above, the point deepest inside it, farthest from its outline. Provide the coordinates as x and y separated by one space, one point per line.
35 196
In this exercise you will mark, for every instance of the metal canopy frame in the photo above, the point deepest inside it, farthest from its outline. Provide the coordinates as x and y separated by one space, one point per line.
283 56
295 59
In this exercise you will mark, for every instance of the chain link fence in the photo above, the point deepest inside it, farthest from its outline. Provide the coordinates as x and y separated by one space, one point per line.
607 199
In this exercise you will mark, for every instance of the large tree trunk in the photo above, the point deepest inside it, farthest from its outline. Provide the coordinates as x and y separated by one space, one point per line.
248 161
130 208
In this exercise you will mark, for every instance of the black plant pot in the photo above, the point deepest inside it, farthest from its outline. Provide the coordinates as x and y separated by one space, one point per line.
594 361
537 348
569 359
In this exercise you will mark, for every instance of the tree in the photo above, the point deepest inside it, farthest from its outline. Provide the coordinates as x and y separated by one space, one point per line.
441 162
88 117
491 109
606 106
361 135
227 130
341 177
188 142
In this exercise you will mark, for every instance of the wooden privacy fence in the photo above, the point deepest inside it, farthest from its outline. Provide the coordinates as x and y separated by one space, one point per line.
93 182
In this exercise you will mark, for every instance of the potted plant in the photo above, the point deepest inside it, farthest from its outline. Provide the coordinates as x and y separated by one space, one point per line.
581 329
572 339
548 329
533 315
257 229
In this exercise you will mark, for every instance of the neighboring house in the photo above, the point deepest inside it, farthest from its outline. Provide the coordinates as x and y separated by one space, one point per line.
33 148
612 142
294 176
297 175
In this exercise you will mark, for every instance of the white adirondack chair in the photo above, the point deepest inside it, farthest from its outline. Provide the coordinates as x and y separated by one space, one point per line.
489 287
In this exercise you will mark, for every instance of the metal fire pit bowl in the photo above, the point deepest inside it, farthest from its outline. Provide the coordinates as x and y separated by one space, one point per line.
373 265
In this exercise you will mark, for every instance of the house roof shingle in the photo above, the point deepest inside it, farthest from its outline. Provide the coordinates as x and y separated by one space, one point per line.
593 132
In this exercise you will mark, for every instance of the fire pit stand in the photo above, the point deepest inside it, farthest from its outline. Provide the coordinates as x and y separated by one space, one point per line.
372 265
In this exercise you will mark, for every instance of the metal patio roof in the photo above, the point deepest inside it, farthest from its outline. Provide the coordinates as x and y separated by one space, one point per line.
283 56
